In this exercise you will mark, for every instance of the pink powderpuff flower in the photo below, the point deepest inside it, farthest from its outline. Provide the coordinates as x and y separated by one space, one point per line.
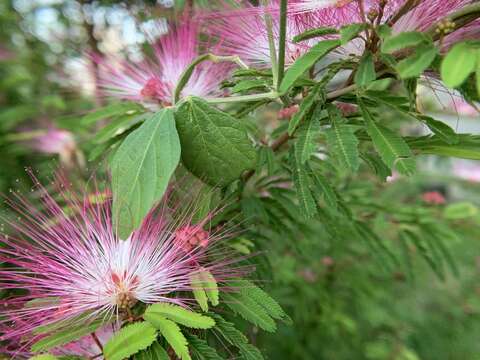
67 260
153 81
463 108
433 198
243 33
419 18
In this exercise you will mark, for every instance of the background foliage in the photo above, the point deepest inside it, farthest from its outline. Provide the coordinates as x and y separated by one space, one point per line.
377 271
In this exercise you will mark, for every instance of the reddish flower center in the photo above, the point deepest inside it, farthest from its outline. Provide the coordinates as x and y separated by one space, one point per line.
124 290
188 237
152 88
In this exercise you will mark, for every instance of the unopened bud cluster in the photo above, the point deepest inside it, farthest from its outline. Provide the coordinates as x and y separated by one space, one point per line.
445 27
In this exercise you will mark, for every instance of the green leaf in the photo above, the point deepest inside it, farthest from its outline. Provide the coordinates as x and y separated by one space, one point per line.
307 137
250 352
351 31
250 310
404 40
302 184
66 335
323 188
306 107
414 65
153 352
343 144
171 332
366 70
43 357
313 33
210 286
442 130
459 63
123 108
305 62
198 290
393 150
248 85
201 349
460 210
179 315
250 290
141 170
129 340
215 145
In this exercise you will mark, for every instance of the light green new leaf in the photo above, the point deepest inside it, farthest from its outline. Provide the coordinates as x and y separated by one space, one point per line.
414 65
141 170
460 210
351 31
404 40
179 315
199 292
459 63
366 70
393 150
66 335
172 333
129 340
215 145
43 357
306 61
210 286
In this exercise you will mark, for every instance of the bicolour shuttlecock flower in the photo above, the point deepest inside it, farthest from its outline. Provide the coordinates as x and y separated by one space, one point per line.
66 260
155 79
243 32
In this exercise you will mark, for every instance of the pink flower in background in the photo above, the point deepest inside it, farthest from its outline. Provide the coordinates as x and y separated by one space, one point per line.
154 80
467 170
463 108
433 198
244 33
70 260
53 141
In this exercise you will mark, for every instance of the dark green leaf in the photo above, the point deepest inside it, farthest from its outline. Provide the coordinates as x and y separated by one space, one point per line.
351 31
366 70
215 146
313 33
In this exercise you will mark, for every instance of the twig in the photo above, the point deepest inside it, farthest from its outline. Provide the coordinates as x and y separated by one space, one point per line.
282 42
271 41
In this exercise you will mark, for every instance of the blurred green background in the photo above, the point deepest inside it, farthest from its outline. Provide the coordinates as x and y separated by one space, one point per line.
346 303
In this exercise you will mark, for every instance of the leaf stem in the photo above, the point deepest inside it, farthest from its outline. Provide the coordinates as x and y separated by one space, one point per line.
271 41
282 42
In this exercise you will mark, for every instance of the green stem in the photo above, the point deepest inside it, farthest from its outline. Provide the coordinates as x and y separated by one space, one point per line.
242 98
271 41
282 42
206 57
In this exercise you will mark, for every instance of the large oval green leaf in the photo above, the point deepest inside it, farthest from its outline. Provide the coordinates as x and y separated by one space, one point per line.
215 145
141 170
